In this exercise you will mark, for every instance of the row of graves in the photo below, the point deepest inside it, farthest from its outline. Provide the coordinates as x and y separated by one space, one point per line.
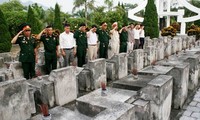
145 84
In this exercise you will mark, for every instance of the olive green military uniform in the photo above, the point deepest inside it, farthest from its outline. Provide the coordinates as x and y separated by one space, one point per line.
81 42
50 44
27 55
104 41
123 41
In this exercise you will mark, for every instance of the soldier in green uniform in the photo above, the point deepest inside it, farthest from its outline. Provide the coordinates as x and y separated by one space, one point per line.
123 39
27 53
104 40
51 44
82 45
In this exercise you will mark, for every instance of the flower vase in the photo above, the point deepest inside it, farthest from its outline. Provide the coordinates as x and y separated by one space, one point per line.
46 117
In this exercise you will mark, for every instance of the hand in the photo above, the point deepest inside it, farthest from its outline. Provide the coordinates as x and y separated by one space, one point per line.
20 32
63 53
58 54
36 59
44 30
74 52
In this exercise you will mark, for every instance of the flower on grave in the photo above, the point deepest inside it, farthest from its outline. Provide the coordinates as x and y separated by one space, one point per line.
44 109
153 63
166 56
134 71
103 85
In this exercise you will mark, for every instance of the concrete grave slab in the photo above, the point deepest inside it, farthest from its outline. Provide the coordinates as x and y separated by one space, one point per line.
65 85
110 107
46 88
180 73
14 100
159 93
121 64
137 57
155 70
142 109
61 113
131 83
97 69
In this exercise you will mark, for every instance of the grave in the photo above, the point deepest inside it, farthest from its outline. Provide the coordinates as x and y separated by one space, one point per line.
180 74
131 83
155 70
114 105
121 64
14 100
65 85
159 93
136 59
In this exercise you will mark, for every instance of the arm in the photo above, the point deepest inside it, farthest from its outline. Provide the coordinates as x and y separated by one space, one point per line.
40 34
111 32
61 45
13 41
74 45
36 55
120 31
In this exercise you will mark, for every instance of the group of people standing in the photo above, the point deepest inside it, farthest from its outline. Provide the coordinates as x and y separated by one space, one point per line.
97 42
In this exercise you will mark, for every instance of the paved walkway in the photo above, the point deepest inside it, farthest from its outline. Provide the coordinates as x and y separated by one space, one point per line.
192 112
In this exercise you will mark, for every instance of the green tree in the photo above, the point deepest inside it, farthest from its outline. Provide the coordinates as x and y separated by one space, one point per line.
15 14
5 37
33 21
109 4
151 20
88 4
57 18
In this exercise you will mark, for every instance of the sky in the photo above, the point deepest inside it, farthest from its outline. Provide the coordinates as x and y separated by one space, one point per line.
67 5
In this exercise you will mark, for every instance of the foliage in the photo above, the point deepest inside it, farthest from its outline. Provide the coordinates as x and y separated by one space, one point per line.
57 18
194 30
168 31
15 14
33 21
151 20
5 37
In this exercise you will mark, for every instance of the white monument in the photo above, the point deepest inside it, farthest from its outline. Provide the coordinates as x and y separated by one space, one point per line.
163 9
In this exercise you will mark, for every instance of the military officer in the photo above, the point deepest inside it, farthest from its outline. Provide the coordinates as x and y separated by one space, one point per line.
28 48
103 37
82 45
51 44
123 39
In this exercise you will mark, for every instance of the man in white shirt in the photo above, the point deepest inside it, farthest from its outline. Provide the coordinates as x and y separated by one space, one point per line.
92 43
67 45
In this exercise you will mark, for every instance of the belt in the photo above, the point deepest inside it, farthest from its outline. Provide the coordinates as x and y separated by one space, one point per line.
93 45
68 48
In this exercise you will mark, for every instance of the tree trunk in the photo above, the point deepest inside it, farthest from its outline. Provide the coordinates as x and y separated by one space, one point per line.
86 12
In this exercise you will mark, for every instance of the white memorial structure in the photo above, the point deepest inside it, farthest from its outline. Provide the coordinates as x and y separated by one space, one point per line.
163 9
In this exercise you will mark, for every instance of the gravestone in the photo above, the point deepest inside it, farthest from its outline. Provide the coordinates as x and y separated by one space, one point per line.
121 64
97 70
14 100
159 93
65 85
45 87
136 59
180 73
